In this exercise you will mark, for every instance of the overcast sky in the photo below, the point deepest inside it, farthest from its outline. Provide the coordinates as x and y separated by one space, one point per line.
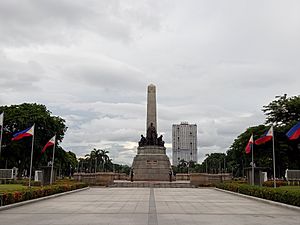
214 63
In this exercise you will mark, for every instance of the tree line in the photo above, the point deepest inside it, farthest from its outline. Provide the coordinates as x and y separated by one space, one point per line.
283 112
98 160
17 153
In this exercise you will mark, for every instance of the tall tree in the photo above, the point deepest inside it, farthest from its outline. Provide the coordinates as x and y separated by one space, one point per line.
20 117
215 162
283 111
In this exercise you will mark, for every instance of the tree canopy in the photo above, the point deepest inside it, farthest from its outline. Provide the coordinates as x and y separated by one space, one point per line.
283 112
98 160
17 153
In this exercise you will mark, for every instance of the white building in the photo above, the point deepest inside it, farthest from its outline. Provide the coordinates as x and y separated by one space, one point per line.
184 142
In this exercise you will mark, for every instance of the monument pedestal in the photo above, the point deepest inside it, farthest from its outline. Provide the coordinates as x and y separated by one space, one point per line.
151 164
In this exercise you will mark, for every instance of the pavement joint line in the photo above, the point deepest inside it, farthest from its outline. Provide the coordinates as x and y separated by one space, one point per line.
5 207
130 213
296 208
152 215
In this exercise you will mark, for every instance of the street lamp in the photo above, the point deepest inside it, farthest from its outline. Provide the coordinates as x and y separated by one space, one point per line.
70 175
207 155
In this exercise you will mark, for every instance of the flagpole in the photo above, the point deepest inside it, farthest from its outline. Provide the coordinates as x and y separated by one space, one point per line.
252 180
31 156
1 133
51 175
274 181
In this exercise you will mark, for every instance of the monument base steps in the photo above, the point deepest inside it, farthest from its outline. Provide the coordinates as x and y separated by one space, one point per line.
151 164
153 184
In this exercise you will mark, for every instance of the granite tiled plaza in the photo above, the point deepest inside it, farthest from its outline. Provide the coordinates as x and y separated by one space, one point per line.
145 206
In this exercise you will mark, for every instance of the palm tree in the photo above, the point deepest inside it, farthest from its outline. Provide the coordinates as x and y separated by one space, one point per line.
105 158
182 165
98 157
88 158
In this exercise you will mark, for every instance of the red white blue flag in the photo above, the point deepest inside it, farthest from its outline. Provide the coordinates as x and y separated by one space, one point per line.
294 132
266 137
49 143
249 145
24 133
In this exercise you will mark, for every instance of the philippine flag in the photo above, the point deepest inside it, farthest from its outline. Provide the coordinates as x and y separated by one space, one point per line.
266 137
49 143
294 132
24 133
249 145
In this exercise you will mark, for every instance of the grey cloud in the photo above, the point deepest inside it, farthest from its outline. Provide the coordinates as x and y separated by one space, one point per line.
19 75
65 22
108 77
214 64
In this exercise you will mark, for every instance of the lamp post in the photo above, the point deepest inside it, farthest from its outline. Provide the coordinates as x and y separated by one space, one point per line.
70 175
207 155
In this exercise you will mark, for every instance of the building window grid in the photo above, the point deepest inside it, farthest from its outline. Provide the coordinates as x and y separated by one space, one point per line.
189 131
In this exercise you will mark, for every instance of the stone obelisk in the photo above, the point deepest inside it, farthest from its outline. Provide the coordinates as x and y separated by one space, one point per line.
151 106
151 162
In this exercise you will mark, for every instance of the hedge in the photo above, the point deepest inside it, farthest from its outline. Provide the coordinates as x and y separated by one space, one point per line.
279 183
291 197
32 193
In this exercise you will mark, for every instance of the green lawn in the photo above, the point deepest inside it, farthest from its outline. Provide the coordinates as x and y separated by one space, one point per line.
11 187
290 188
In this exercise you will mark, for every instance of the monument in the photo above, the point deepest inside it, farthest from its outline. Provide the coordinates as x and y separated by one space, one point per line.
151 162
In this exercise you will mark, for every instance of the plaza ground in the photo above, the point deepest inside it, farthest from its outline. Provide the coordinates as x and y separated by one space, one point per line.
145 206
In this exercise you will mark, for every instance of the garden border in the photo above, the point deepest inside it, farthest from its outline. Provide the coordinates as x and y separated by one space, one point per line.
40 199
260 199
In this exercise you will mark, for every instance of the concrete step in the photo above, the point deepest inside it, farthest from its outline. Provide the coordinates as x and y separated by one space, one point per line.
154 184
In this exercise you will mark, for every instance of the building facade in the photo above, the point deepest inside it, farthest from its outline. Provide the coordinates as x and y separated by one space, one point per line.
184 142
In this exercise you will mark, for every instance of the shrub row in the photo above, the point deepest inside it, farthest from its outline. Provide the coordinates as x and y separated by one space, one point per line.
32 193
279 183
291 197
32 183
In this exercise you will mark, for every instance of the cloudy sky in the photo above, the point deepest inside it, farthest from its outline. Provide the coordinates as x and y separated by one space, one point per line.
214 63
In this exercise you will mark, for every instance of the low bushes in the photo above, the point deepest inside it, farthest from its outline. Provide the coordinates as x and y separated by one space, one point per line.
32 183
291 197
279 183
37 192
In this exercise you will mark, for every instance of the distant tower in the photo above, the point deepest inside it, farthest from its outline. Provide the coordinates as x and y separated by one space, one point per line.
184 142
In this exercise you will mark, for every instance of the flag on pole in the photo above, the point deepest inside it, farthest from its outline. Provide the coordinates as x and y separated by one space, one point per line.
249 145
1 130
24 133
294 132
1 119
266 137
49 143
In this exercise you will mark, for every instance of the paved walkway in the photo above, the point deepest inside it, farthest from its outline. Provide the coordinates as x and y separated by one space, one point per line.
148 206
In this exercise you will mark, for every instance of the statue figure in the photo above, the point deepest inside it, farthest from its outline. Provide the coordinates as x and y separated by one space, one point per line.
151 138
160 141
151 135
143 141
131 174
